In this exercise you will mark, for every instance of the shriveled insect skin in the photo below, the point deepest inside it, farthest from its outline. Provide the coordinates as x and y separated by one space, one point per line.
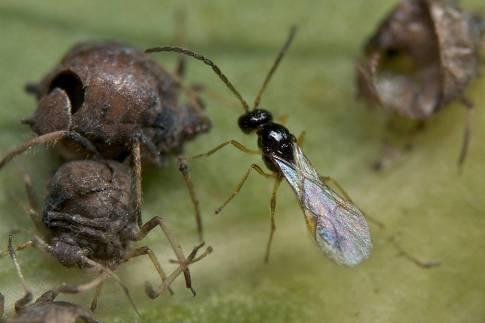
55 312
89 210
107 92
46 310
421 57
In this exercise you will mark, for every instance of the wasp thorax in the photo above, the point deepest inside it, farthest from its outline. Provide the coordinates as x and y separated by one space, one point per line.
254 119
274 139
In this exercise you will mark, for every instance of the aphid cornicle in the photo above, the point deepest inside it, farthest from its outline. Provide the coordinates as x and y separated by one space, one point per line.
422 57
335 223
90 219
45 309
102 96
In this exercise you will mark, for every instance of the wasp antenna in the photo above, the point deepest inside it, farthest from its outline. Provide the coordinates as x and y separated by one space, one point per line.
206 61
277 61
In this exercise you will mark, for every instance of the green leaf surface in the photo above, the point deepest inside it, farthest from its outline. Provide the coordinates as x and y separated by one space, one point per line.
431 211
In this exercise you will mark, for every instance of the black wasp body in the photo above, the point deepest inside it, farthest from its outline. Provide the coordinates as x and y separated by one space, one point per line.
273 138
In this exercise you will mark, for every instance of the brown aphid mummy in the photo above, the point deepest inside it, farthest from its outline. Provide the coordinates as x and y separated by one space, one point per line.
107 93
47 310
103 96
421 58
90 218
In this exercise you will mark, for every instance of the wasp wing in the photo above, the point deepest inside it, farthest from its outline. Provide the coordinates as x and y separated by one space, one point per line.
338 226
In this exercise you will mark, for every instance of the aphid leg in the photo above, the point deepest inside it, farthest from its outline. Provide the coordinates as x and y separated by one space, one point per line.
2 305
272 229
416 261
234 143
181 67
140 137
258 169
389 151
145 251
18 247
466 135
33 206
27 298
191 258
177 249
47 297
50 296
94 302
105 273
333 183
184 170
49 138
136 183
76 289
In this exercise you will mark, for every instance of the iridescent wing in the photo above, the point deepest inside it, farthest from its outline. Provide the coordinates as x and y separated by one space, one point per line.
338 227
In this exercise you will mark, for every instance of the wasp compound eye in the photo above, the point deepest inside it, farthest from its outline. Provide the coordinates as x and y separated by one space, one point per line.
254 119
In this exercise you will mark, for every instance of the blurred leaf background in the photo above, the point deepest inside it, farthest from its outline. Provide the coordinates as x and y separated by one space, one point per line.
433 213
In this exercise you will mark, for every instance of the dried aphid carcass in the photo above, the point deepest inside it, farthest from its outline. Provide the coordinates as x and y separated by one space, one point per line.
45 309
103 96
421 58
91 217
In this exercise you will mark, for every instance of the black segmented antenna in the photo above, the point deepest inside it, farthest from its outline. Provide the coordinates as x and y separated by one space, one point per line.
277 61
206 61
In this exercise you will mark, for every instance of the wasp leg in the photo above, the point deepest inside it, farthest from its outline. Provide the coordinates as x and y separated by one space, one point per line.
416 261
234 143
145 251
241 183
184 169
276 185
301 139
